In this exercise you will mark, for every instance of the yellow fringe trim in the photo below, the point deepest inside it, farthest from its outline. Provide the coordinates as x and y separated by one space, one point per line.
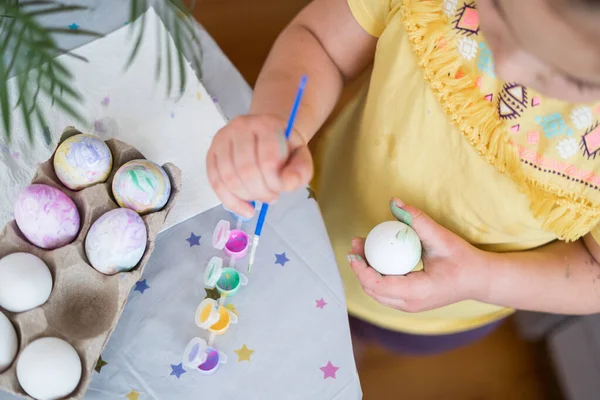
570 216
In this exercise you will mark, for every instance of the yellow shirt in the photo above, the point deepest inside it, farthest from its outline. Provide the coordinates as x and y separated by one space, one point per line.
494 162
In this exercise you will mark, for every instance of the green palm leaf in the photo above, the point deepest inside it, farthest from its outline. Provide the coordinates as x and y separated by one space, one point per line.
28 51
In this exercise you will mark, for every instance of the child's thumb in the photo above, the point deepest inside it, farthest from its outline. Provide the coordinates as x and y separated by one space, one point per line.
299 169
427 229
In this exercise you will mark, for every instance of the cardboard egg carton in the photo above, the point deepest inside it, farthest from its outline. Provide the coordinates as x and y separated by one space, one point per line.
85 305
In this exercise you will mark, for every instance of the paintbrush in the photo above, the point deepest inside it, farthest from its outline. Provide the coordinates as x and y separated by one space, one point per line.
265 207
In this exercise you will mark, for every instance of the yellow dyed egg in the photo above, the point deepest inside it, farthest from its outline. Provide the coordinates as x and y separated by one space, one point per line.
82 161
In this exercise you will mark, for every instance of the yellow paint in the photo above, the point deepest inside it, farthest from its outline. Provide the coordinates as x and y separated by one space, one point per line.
133 395
198 96
223 323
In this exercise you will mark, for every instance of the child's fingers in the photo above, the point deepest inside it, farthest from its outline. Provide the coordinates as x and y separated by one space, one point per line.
299 170
358 246
272 151
246 163
223 152
367 276
229 200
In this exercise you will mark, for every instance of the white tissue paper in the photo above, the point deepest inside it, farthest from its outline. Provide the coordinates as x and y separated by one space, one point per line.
132 106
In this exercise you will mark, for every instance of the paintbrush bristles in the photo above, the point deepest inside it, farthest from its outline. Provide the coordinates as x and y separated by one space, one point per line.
253 252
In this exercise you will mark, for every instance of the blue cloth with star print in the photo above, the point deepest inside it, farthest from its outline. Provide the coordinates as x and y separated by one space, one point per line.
292 329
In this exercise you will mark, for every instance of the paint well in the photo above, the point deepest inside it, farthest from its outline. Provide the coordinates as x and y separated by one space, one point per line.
237 242
212 360
229 280
223 322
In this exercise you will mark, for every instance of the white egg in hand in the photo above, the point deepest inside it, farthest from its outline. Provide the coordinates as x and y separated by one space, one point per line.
25 282
9 343
49 369
393 248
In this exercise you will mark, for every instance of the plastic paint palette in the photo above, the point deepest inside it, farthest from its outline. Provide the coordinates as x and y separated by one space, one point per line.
214 317
227 280
199 356
210 314
235 242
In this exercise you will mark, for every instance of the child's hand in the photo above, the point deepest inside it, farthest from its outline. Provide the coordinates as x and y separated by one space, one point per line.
453 269
249 159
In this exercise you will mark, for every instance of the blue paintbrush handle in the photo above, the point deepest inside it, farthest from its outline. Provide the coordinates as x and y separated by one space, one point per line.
288 131
292 119
261 219
265 207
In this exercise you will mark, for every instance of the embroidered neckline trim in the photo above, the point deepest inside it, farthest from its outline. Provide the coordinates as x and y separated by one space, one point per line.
569 215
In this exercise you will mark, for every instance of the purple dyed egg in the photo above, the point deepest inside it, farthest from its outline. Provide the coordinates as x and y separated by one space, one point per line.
47 217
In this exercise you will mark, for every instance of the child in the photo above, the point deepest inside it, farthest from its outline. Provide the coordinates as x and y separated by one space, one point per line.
485 115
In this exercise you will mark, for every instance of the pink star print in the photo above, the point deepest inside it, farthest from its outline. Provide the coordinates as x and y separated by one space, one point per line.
329 370
321 303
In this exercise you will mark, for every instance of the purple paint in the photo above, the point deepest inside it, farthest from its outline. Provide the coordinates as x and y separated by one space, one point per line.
99 126
237 242
212 360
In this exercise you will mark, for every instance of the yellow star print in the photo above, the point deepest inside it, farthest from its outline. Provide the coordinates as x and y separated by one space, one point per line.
244 353
133 395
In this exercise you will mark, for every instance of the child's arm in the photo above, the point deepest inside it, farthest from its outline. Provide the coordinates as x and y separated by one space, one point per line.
249 159
325 42
559 278
562 278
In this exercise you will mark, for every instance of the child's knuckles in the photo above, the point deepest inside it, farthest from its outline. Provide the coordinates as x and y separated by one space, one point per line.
247 171
271 157
230 179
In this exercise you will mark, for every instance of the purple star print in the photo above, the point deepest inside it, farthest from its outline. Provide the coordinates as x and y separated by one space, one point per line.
281 259
193 240
177 370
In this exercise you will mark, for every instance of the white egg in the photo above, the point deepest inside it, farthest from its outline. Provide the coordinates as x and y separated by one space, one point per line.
49 369
25 282
9 344
393 248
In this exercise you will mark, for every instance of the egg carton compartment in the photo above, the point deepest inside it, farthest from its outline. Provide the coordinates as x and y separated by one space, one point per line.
84 305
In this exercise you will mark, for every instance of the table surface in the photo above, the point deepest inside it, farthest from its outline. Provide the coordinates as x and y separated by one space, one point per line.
292 314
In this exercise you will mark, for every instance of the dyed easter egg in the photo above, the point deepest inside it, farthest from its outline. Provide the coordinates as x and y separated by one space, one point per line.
142 186
393 248
116 241
81 161
46 216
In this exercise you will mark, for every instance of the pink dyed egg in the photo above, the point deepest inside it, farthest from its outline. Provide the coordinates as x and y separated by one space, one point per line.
47 217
